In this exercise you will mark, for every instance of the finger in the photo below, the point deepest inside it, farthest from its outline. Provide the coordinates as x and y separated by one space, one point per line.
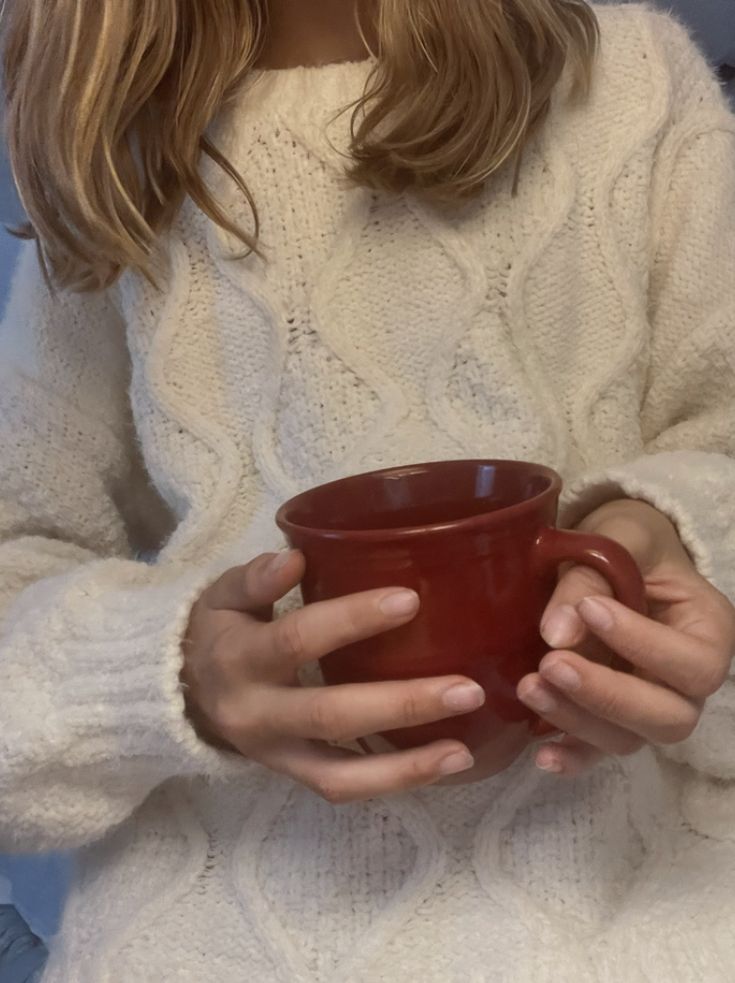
315 630
579 723
568 757
695 666
257 585
561 625
655 713
344 713
341 776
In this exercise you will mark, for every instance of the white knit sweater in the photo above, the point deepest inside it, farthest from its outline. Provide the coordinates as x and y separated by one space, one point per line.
586 323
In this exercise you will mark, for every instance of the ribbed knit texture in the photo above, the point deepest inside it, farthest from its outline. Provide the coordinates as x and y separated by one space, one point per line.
586 323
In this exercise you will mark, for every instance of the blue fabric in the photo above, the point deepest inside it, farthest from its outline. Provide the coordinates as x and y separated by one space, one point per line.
22 954
39 887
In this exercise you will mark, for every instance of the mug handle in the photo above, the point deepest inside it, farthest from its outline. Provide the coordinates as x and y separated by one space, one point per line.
556 546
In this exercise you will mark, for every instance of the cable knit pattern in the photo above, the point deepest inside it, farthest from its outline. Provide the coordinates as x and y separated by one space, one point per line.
585 322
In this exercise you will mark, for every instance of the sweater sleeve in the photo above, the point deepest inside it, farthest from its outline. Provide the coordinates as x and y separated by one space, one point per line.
688 412
91 711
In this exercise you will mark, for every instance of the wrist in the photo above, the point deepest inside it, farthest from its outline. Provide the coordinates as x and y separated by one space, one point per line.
648 534
619 509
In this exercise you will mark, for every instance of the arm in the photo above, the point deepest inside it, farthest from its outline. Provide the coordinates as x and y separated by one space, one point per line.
91 713
688 414
91 707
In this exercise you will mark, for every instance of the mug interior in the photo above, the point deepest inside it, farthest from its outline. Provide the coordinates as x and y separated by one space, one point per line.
417 496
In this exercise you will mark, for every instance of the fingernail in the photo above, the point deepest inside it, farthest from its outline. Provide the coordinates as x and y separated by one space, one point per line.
465 696
561 626
458 761
596 614
539 699
400 604
280 560
549 763
562 675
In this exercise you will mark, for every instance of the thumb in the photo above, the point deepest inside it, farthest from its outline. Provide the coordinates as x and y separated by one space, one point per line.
254 588
561 625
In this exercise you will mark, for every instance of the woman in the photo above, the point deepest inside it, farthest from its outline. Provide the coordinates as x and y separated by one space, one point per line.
531 258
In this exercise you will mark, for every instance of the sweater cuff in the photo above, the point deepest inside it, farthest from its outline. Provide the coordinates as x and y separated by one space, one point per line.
695 490
118 653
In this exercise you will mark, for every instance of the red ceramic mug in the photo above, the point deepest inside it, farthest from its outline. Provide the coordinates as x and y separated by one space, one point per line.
477 540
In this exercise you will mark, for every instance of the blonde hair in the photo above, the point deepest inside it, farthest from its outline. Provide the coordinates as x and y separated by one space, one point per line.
109 101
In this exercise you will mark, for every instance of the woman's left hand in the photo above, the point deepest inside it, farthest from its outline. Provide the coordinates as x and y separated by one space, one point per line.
681 653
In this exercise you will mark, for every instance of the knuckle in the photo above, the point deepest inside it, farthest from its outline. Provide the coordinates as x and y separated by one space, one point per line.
209 595
582 581
231 583
254 573
246 579
705 680
725 609
290 638
332 791
722 614
412 708
680 730
224 648
228 720
610 706
351 622
235 722
323 721
223 664
420 770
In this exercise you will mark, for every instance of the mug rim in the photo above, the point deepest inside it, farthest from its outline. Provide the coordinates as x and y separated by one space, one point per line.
485 519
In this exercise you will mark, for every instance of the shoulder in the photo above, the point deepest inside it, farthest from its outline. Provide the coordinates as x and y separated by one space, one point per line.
649 57
647 30
71 343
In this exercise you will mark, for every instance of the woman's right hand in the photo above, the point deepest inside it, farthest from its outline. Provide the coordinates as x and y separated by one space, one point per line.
242 690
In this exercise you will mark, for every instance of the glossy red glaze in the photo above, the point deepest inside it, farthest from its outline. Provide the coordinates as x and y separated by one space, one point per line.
476 540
